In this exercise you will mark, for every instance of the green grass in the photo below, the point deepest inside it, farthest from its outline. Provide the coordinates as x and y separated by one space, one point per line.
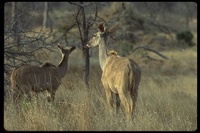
167 101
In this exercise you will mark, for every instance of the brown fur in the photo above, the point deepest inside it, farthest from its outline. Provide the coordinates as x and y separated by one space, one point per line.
112 53
121 77
47 64
27 78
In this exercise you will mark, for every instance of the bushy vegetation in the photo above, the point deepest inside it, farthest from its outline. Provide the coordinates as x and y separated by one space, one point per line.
186 36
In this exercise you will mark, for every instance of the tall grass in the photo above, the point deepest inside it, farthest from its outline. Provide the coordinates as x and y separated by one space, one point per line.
167 101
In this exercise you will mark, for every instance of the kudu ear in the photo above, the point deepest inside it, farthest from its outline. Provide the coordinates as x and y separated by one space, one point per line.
72 48
105 31
101 27
59 46
113 28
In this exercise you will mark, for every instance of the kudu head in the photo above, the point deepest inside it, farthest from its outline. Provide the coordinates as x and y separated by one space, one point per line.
66 51
101 35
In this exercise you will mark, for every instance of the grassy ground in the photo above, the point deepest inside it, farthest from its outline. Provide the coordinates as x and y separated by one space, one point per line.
167 100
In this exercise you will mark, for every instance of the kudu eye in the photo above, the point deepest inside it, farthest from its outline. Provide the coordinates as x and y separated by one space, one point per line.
94 35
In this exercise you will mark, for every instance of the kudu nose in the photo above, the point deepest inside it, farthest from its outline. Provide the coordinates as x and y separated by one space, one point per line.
87 45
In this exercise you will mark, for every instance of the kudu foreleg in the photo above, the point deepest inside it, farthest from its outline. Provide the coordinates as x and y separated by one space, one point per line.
51 95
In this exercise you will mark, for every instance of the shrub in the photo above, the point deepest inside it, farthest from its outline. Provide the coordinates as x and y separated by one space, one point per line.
186 36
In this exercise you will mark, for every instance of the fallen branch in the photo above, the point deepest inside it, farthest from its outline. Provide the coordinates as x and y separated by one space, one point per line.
149 49
153 59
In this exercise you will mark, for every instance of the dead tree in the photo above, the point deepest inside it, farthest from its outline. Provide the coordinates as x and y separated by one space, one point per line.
84 25
46 18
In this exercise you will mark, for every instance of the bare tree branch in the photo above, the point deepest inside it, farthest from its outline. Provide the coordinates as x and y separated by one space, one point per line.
90 24
80 4
84 23
149 49
102 20
153 59
66 29
78 23
76 4
30 42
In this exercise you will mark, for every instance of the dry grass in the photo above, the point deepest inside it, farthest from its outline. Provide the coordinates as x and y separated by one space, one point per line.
167 101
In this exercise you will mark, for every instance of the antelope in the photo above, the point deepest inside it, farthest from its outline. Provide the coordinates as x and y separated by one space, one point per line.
120 75
26 78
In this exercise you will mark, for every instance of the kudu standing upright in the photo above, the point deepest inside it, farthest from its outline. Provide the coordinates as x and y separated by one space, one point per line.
121 75
27 78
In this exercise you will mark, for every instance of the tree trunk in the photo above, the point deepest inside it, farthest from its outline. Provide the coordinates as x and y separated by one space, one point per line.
46 19
85 49
87 64
83 28
16 34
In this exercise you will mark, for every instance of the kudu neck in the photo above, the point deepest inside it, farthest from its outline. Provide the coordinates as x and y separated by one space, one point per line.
102 53
63 65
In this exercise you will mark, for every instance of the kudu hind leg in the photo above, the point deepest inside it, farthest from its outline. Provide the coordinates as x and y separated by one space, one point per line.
110 102
108 95
127 103
117 103
109 98
134 100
